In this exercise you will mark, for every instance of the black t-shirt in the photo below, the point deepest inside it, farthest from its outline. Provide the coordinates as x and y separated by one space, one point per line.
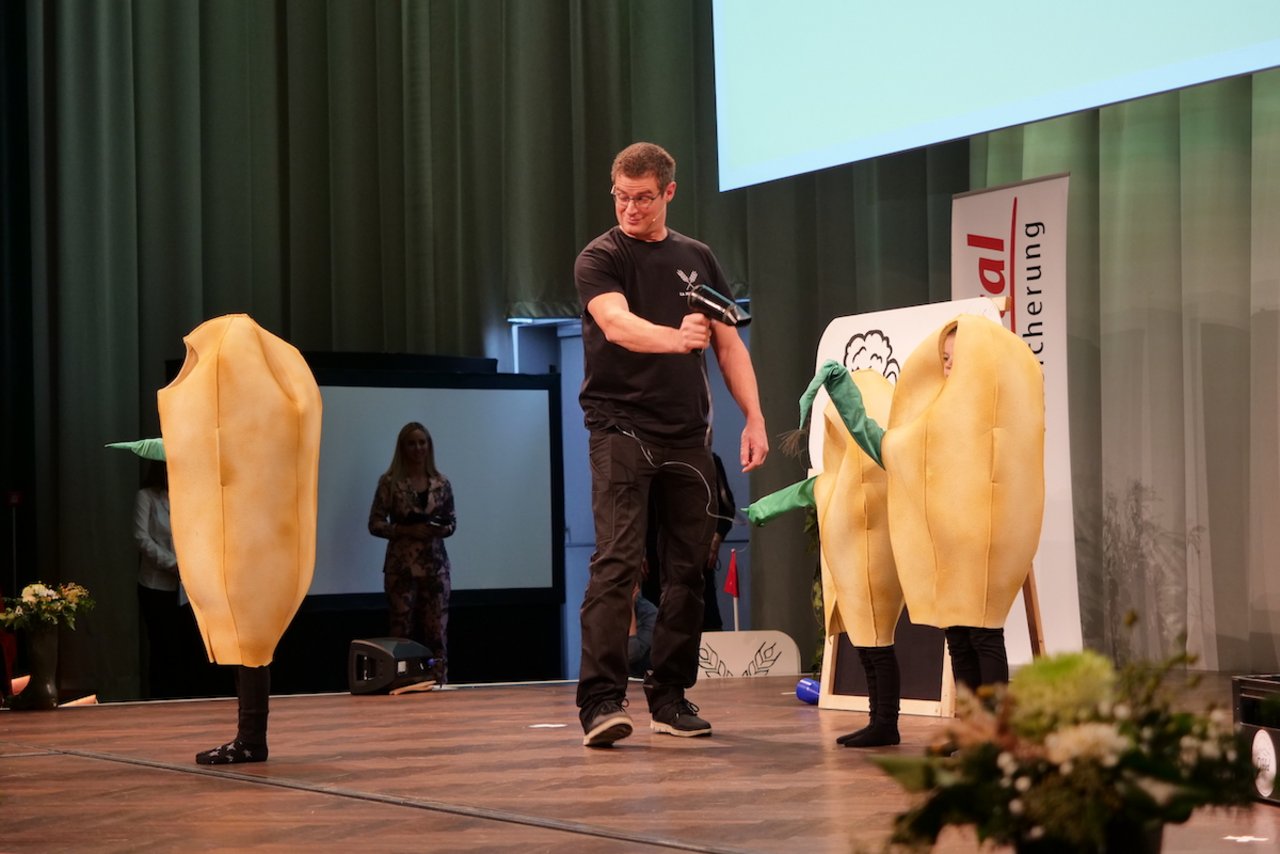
662 397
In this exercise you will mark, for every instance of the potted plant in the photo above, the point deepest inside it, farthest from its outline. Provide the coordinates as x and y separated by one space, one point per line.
38 613
1074 756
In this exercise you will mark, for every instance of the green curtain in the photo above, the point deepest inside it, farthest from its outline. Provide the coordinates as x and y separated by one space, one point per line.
1174 286
400 176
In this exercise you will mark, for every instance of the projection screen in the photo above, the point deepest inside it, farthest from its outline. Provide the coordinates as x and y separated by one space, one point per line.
805 86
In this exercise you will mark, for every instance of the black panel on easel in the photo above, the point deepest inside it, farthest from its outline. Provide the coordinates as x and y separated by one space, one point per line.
919 650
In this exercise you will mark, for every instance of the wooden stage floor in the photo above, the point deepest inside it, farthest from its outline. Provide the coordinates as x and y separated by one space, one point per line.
486 768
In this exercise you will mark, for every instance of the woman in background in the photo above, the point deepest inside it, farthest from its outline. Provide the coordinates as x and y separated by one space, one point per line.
413 510
158 585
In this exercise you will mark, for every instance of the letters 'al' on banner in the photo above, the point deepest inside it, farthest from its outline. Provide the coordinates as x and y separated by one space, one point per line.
1011 242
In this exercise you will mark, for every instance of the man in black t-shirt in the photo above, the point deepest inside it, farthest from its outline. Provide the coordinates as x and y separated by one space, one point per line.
647 404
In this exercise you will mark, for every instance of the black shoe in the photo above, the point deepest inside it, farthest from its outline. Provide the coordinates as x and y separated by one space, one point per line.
679 718
607 724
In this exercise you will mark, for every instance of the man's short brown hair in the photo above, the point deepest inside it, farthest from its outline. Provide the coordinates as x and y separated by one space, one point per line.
644 158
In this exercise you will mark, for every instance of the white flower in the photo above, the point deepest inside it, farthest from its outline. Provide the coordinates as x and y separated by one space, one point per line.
1099 741
1189 748
1120 711
1022 784
1015 807
32 592
1162 793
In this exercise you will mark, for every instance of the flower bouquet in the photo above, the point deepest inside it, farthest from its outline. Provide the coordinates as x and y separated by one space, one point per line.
43 604
39 611
1074 756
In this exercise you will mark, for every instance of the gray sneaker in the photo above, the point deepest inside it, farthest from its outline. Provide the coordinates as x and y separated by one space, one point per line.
679 718
608 723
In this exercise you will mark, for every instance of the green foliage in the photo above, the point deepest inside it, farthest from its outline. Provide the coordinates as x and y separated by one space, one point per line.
1061 689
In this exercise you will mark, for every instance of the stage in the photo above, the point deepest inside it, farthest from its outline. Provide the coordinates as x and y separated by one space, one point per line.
478 768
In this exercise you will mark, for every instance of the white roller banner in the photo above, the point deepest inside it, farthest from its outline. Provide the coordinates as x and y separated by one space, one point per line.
1011 242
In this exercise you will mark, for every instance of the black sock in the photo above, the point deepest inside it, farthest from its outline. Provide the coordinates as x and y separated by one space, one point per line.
965 668
993 661
253 689
233 753
881 665
875 734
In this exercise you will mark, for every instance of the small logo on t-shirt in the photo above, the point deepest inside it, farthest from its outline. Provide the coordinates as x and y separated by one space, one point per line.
687 278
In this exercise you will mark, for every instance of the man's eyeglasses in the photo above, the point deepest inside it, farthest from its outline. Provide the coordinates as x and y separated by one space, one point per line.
642 203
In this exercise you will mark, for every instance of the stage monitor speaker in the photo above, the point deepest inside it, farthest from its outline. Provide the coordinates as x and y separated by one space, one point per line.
1257 714
381 665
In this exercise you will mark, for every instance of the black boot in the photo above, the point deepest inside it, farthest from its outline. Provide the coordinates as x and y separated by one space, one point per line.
253 690
883 690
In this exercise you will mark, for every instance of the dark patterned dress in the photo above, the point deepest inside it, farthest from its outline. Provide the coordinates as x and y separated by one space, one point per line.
416 571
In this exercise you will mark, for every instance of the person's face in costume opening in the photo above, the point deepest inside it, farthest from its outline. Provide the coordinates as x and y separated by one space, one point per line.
415 448
948 351
641 206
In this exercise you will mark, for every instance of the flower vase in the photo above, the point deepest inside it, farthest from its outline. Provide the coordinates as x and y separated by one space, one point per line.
1122 837
41 692
1138 837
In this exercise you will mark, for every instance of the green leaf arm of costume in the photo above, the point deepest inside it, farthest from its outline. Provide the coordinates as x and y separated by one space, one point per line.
148 449
848 401
774 504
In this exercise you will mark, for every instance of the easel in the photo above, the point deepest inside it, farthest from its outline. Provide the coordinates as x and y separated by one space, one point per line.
1035 629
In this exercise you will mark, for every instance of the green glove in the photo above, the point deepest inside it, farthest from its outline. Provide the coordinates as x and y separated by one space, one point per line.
148 449
774 504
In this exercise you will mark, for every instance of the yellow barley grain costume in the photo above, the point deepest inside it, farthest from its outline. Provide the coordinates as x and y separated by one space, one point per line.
241 429
965 459
861 593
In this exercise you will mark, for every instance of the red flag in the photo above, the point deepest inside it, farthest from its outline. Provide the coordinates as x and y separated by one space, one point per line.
731 580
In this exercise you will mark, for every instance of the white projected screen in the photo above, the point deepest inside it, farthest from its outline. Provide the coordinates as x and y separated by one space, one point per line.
494 445
805 86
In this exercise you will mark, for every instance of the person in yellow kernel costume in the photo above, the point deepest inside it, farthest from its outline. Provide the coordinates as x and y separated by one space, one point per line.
965 457
861 593
241 431
964 454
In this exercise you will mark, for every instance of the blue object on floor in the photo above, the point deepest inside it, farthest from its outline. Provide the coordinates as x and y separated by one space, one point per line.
807 689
